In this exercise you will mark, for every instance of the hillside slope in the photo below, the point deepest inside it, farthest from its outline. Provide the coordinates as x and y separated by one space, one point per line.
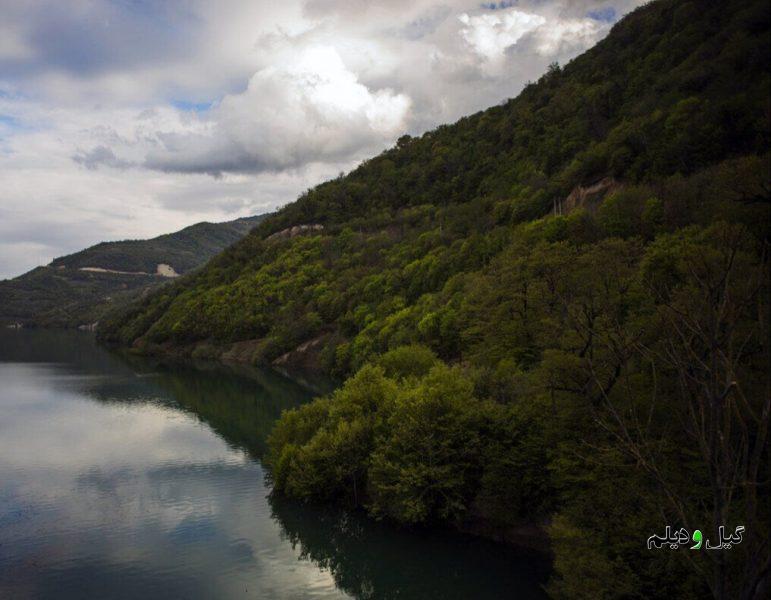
675 87
553 313
77 288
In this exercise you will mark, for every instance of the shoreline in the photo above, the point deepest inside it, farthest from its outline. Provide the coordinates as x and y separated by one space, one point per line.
527 537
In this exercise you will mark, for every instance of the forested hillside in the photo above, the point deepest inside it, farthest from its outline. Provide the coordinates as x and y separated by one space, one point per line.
553 311
77 289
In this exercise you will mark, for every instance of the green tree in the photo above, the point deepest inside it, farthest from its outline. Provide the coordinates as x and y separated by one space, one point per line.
423 469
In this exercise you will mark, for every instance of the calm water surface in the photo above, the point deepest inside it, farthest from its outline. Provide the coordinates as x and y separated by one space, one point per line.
130 479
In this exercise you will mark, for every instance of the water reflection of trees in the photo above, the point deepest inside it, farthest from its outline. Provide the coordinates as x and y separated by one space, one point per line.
240 405
67 346
373 560
240 411
238 402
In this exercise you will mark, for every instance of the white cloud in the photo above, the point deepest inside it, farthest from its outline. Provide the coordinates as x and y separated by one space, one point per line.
310 109
491 33
567 34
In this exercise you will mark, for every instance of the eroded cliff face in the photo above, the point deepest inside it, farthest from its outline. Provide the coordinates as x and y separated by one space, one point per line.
291 232
587 197
162 270
305 356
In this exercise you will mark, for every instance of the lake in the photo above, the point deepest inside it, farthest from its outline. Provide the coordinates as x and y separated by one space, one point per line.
129 478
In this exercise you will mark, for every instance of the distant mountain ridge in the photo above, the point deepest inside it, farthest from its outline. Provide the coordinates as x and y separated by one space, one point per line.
75 290
182 250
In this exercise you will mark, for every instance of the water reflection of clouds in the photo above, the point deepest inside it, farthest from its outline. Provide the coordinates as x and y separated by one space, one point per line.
116 435
114 485
134 492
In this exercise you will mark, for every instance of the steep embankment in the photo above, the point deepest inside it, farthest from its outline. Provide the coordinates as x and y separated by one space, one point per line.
76 289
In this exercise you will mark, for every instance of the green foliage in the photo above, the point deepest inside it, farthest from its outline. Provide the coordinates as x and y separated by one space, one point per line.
416 449
585 567
322 449
629 212
423 468
407 361
515 484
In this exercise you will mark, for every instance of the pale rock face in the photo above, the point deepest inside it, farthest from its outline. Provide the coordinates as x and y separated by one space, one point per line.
101 270
296 230
165 270
588 197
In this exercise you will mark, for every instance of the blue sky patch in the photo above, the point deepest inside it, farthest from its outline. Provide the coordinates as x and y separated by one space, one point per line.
606 15
10 125
188 106
499 5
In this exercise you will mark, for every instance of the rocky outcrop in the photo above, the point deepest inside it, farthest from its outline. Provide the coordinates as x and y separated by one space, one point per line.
588 197
305 356
243 351
162 270
165 270
291 232
113 271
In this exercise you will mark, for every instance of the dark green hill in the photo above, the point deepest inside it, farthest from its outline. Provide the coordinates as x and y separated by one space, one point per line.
183 250
76 289
552 315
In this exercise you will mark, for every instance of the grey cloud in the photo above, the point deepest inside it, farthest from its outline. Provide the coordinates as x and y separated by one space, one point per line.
41 230
100 156
197 153
499 5
91 38
27 242
326 8
220 154
230 197
404 52
426 24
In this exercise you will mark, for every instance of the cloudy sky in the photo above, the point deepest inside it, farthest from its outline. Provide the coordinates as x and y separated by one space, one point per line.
130 118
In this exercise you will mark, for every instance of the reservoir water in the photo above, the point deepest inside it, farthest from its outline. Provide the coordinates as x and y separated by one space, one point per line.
126 478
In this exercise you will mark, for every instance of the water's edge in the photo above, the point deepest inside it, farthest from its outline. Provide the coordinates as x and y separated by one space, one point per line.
125 476
525 536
